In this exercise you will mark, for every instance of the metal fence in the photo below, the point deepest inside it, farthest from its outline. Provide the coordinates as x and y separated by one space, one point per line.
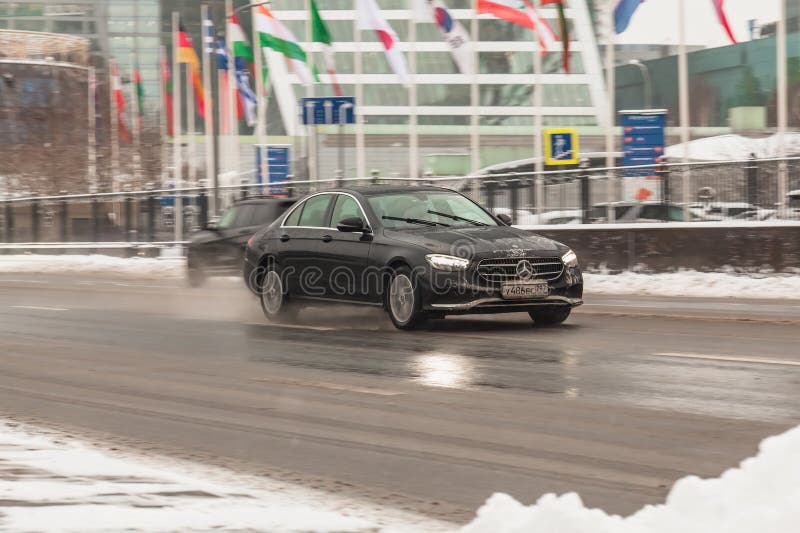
742 191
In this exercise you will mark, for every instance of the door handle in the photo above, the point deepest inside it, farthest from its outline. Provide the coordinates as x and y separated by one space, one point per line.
285 238
327 238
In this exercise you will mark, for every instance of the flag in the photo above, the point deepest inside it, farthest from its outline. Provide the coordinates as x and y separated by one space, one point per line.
187 54
623 14
370 18
119 103
272 33
562 26
239 45
513 11
321 34
454 33
245 97
166 90
138 89
719 6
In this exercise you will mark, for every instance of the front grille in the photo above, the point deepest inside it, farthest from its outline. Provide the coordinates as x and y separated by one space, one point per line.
506 269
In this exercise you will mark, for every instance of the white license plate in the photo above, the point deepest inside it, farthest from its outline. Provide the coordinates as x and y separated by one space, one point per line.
524 291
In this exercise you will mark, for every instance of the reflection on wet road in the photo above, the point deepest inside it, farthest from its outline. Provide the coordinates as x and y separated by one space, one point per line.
616 404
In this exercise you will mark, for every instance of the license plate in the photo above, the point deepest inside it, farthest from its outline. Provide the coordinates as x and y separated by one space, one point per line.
524 291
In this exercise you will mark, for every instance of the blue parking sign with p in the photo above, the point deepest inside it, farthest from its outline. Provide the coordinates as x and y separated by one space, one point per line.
561 147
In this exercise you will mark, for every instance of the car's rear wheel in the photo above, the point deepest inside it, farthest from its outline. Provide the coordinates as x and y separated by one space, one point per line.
550 317
403 300
274 301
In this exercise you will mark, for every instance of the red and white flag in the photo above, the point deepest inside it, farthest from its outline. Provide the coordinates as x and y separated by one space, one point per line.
522 13
370 18
719 7
119 103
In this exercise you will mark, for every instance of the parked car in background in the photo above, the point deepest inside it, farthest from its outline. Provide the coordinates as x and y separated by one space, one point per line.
650 211
218 249
722 210
791 211
527 217
757 214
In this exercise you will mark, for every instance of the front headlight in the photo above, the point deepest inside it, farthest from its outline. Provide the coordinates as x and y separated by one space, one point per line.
570 259
448 263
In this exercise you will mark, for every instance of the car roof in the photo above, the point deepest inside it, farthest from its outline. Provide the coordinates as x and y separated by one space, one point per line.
261 201
375 190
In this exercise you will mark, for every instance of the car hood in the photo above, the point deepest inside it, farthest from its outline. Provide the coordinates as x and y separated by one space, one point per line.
478 241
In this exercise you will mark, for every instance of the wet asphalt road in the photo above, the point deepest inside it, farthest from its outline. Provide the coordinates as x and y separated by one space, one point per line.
630 395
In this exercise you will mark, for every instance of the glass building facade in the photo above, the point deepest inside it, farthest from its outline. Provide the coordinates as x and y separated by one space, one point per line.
117 29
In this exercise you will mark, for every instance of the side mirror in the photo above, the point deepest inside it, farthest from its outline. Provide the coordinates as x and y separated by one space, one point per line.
505 219
351 225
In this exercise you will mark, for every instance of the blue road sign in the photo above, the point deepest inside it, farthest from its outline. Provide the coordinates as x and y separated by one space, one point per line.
328 110
643 139
278 166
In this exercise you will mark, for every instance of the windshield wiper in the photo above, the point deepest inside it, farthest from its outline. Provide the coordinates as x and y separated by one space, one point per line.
416 221
456 217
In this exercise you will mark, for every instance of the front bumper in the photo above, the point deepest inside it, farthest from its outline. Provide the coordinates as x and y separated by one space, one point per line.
454 294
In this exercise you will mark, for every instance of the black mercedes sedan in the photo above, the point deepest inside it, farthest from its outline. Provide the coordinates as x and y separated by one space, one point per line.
418 252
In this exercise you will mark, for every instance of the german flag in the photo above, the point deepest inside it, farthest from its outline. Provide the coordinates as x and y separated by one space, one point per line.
186 54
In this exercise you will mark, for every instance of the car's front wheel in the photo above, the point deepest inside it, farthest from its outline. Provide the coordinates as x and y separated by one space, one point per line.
274 301
550 317
403 300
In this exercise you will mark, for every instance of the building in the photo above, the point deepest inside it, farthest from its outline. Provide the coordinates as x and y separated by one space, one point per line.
114 29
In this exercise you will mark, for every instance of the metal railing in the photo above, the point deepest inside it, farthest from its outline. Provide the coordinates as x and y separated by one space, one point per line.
740 190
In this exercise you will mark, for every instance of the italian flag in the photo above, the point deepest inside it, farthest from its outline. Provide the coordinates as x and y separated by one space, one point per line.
321 34
274 35
241 48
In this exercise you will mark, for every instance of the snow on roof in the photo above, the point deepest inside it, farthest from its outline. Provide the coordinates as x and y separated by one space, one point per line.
735 148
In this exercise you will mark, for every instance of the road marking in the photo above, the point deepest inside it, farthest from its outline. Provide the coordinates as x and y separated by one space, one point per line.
731 359
38 308
294 326
329 386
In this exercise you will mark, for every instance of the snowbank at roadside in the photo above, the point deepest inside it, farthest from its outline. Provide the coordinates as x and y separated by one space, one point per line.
682 283
50 482
693 283
762 494
129 267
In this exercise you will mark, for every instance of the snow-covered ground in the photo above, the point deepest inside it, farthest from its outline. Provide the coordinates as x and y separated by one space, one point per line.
684 283
761 495
50 482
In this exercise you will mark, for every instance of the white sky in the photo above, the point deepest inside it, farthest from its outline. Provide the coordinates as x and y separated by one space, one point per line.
656 21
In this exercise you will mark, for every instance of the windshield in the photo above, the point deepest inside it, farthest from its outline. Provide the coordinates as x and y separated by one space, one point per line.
794 201
428 209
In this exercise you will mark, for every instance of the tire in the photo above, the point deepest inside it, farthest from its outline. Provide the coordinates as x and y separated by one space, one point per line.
550 317
403 300
274 301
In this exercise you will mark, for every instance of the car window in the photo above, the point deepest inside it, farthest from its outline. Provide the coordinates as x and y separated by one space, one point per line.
346 207
228 218
294 217
243 216
264 214
314 211
428 208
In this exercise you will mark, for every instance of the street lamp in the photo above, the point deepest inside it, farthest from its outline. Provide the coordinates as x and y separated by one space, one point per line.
647 80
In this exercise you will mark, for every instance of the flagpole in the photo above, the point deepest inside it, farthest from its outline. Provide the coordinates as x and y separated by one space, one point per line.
611 114
261 101
783 101
163 123
312 146
361 161
211 174
683 96
190 125
538 102
413 136
474 100
136 124
233 144
177 156
92 128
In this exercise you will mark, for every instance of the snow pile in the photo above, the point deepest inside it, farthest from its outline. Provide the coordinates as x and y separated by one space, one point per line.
693 283
93 264
49 483
761 495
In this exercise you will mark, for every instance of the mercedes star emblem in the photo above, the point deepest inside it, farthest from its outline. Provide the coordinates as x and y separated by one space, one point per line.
525 269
